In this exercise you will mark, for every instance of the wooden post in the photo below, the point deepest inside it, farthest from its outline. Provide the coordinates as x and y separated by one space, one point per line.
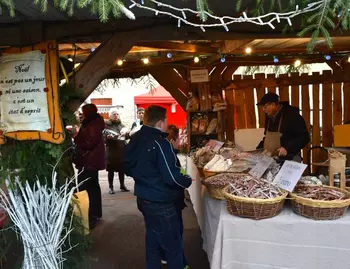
173 83
100 62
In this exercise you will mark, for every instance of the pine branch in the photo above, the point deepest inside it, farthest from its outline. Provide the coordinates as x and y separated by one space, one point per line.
202 8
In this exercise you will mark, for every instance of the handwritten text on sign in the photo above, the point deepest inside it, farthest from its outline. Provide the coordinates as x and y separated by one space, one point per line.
289 175
259 169
23 98
199 75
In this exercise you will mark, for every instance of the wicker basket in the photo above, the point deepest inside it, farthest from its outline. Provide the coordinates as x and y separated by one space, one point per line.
215 193
253 208
318 209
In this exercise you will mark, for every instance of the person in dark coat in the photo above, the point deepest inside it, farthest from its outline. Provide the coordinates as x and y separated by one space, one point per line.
159 186
286 133
90 158
115 150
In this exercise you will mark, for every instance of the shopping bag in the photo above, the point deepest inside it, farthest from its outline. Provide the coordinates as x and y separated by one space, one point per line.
337 163
80 202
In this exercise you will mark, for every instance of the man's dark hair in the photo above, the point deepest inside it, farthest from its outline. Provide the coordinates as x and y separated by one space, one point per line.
153 114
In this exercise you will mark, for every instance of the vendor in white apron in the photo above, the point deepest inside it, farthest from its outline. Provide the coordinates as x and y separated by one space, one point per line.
286 133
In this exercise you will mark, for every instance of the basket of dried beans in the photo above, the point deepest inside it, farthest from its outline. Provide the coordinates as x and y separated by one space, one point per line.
320 202
215 184
249 197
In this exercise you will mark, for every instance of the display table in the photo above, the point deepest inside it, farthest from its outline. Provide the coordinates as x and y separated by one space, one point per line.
287 241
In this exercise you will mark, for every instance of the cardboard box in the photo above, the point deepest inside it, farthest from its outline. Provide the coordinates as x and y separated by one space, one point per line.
342 135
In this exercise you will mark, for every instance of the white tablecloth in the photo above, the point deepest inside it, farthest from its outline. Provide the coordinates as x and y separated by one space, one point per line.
287 241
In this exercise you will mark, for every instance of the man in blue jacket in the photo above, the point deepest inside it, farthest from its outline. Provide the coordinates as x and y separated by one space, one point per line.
159 186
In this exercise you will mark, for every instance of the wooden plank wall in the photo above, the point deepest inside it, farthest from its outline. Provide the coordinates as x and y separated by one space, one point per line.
321 104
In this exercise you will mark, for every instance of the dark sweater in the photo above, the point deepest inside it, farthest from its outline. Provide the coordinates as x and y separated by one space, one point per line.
295 135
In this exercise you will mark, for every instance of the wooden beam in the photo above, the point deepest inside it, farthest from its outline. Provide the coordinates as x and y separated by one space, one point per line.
163 28
99 63
173 83
176 46
232 45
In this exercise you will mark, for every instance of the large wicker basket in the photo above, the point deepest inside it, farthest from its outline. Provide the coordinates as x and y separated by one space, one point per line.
318 209
253 208
215 193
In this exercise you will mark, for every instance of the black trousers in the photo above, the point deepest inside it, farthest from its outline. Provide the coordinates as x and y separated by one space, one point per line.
121 176
92 186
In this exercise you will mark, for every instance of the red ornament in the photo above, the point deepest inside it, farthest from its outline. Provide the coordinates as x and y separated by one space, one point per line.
49 131
43 51
46 89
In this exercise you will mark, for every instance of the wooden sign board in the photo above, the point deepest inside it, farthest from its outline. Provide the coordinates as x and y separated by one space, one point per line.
199 75
29 97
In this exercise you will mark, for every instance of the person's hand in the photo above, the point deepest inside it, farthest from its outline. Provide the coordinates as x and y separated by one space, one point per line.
282 152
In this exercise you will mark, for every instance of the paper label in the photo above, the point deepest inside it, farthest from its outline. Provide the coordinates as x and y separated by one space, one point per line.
199 75
259 169
215 145
289 175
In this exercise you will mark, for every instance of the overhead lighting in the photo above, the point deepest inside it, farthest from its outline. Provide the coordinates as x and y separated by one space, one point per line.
275 59
328 57
76 65
248 50
297 63
223 59
169 55
196 59
145 60
120 62
70 59
349 59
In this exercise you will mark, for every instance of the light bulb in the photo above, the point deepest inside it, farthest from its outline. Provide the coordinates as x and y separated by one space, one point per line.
169 55
196 59
349 59
275 60
297 63
145 60
248 50
223 59
120 62
328 57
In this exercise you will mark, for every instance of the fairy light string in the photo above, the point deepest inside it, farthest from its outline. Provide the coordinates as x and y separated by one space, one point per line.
267 19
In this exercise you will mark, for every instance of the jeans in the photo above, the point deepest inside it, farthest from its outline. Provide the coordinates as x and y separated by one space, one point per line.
92 186
163 234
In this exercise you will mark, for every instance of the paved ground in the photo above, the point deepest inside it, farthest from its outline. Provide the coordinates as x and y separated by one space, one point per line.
119 237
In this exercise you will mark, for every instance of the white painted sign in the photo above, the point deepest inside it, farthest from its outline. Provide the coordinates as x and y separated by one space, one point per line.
199 75
289 175
259 169
23 98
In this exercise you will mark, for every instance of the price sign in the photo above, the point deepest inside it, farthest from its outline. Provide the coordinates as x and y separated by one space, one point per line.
215 145
259 169
289 175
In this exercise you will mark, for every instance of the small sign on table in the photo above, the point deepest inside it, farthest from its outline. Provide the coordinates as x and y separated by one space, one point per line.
259 169
215 145
289 175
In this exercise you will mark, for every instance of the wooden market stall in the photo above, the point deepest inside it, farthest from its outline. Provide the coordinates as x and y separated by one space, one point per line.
196 66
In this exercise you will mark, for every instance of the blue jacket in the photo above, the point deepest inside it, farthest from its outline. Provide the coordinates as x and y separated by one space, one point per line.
150 159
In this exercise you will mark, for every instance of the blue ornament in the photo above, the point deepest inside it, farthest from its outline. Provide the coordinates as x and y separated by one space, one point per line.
223 59
169 55
328 57
275 60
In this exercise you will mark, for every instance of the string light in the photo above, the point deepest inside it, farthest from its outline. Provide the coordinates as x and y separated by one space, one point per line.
223 59
349 59
169 55
145 60
297 63
328 57
248 50
266 19
120 62
275 59
196 59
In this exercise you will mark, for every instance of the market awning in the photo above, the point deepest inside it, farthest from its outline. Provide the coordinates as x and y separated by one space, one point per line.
158 95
